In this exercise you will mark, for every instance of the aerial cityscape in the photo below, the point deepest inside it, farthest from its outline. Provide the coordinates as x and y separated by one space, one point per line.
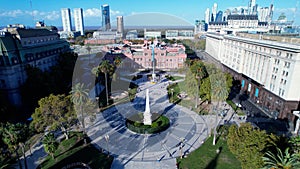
154 84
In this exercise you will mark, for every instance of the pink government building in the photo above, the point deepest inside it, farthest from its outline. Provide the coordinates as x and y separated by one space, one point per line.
139 56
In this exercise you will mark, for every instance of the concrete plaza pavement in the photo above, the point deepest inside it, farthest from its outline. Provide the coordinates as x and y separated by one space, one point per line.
132 150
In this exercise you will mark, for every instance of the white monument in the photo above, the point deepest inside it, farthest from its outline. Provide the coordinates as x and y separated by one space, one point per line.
147 113
297 113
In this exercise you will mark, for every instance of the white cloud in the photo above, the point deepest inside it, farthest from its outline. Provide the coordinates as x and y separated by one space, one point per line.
285 10
115 13
53 15
92 12
237 7
95 12
12 13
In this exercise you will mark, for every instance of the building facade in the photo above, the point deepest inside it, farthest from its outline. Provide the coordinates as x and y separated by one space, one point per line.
179 34
120 26
66 19
214 11
20 47
140 56
269 70
105 17
78 19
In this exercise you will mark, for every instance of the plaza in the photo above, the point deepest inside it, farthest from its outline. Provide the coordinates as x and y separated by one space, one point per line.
187 130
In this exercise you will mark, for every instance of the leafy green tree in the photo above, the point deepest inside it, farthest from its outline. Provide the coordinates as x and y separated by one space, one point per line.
79 97
40 83
14 136
191 84
50 144
281 160
188 62
54 111
205 90
247 144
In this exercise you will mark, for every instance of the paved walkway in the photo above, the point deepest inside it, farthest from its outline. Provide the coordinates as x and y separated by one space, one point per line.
160 150
157 151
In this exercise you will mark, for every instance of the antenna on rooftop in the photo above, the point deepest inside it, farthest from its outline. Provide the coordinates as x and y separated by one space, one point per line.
32 13
295 12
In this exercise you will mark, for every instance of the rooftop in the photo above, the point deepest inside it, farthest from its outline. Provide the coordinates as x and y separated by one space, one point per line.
277 38
25 33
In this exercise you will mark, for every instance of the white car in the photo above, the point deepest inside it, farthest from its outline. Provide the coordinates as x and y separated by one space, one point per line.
238 105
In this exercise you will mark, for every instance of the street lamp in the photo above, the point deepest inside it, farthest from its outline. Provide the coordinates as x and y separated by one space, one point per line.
88 48
172 90
107 139
181 146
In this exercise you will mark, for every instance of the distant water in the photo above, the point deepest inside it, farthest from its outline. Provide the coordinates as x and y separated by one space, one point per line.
128 27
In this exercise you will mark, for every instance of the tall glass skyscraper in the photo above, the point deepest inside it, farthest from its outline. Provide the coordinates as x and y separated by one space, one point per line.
66 19
105 17
78 19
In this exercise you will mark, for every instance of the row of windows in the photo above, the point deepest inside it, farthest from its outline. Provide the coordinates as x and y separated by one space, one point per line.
25 42
161 54
282 81
30 56
258 48
158 60
281 92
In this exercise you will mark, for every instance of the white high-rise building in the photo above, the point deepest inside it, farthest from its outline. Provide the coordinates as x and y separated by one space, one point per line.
207 16
120 25
214 11
78 19
263 14
251 7
66 19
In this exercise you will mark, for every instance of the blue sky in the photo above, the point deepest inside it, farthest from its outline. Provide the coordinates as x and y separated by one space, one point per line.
20 11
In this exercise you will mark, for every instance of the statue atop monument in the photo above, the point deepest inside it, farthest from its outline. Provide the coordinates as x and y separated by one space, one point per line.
147 113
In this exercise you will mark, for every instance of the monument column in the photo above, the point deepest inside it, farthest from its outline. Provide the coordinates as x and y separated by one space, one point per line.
147 113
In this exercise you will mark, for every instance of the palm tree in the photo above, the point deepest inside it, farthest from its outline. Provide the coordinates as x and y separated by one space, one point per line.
117 63
295 144
79 98
50 144
105 67
219 93
280 160
198 69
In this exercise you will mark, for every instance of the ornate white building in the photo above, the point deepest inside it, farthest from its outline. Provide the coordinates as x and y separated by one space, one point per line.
267 67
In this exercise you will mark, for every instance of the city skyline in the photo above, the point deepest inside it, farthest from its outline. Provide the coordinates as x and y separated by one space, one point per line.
29 12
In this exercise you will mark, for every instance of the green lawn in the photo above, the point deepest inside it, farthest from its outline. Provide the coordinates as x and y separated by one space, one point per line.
205 157
174 78
190 104
73 150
